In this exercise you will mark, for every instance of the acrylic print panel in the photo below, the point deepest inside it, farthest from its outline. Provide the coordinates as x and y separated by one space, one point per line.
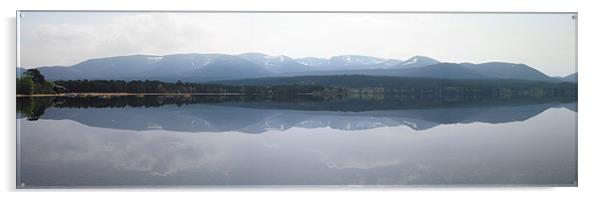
195 99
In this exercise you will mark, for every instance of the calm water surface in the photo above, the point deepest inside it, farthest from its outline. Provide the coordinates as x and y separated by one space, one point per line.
237 144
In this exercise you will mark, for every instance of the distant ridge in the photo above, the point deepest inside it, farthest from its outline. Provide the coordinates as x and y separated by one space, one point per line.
571 78
196 67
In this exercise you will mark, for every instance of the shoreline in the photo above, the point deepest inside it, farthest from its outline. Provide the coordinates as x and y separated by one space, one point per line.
97 94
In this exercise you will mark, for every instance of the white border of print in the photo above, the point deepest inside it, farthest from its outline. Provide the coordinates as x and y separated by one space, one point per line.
589 138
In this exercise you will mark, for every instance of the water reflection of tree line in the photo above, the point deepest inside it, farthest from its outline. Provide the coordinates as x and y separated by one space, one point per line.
34 107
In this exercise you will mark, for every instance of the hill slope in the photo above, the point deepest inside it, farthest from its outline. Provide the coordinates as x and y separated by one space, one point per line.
208 67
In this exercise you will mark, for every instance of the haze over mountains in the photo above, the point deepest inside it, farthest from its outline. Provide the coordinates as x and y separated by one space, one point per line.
210 67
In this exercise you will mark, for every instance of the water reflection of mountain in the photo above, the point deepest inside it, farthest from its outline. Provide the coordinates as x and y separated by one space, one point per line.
259 117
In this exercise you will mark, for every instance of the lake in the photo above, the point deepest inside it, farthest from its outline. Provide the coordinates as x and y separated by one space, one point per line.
204 141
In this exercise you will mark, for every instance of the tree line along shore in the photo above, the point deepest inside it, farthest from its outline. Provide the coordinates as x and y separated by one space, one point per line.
33 84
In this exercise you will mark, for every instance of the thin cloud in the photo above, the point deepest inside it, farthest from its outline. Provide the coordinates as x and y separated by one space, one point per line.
544 41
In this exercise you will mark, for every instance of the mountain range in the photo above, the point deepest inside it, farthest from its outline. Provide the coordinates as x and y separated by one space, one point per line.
210 67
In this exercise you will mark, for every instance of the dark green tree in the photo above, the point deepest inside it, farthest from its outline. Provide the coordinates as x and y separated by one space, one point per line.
24 85
35 75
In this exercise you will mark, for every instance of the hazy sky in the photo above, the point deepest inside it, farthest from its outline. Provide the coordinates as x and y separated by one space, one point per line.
543 41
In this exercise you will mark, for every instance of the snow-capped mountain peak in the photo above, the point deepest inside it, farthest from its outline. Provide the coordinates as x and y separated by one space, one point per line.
355 60
411 61
312 61
155 58
416 61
